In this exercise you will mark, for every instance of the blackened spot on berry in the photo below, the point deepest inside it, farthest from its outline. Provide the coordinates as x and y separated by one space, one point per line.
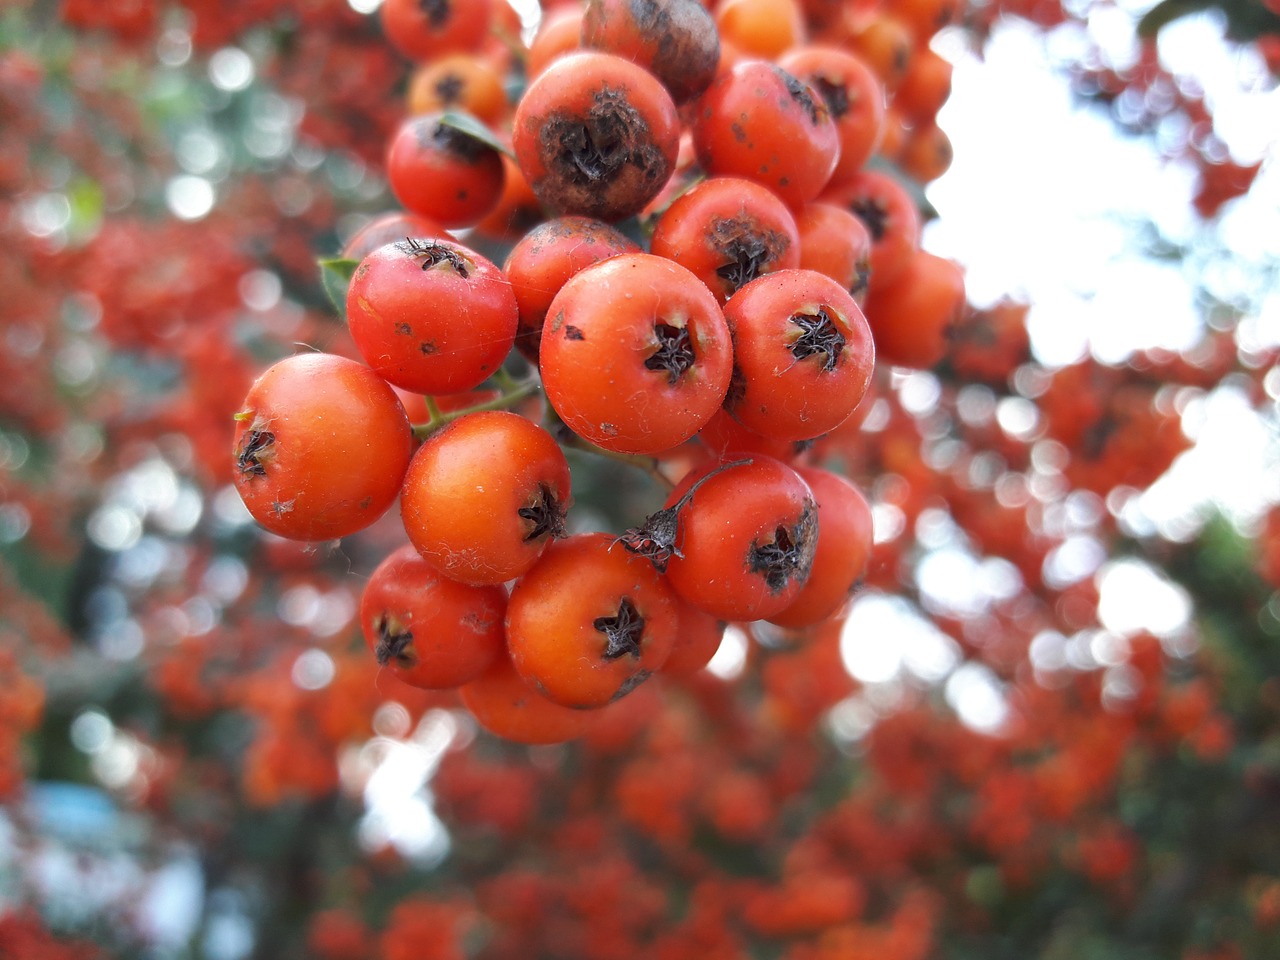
393 642
430 253
861 279
774 559
737 387
427 347
1097 436
901 57
743 268
656 538
748 249
594 152
436 12
674 353
253 451
449 88
623 632
789 555
872 213
801 94
597 160
545 516
573 333
683 40
819 337
649 17
403 328
834 94
457 143
629 684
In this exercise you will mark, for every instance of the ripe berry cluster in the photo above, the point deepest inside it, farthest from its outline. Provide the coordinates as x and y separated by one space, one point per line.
738 334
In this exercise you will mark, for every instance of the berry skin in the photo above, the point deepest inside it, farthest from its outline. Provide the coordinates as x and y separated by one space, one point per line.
559 33
890 215
505 705
430 631
728 231
926 86
439 172
635 354
911 318
546 258
588 623
727 439
844 548
835 242
321 445
746 540
698 640
760 28
758 121
423 29
803 355
484 496
854 96
460 81
431 316
926 155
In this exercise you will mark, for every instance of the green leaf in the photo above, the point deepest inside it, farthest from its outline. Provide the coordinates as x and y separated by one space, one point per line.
1166 12
335 275
467 124
86 200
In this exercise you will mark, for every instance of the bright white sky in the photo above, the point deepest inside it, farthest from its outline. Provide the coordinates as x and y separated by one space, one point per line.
1041 202
1038 198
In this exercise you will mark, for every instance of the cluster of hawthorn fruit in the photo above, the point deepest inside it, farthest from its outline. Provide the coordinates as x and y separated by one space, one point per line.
739 330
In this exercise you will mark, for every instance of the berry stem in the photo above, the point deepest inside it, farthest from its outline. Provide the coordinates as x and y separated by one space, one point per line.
505 380
513 391
656 538
649 465
552 423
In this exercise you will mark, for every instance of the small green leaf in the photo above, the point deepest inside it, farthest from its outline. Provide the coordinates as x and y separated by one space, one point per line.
1166 12
86 200
467 124
335 275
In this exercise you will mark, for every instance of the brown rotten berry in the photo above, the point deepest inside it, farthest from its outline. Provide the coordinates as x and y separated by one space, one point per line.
676 40
596 135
